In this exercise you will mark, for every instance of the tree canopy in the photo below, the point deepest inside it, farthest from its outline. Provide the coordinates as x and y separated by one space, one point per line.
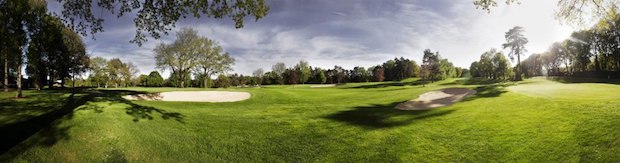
156 17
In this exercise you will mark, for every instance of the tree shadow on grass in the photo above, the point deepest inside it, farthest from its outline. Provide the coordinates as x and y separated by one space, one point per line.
473 81
47 128
570 80
390 84
378 116
138 112
488 91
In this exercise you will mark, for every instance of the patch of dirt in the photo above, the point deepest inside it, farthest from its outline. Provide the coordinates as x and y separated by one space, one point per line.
435 99
192 96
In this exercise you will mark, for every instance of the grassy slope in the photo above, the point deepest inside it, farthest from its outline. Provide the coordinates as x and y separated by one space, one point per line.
536 120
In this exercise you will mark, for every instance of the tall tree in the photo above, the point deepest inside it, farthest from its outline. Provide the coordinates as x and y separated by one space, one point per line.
114 70
211 60
182 55
278 69
430 64
515 42
98 71
154 79
303 70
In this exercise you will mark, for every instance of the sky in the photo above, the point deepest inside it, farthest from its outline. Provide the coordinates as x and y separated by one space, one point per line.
348 33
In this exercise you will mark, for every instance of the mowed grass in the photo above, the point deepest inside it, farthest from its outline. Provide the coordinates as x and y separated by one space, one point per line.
536 120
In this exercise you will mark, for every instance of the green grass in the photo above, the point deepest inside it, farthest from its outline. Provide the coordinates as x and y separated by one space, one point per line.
536 120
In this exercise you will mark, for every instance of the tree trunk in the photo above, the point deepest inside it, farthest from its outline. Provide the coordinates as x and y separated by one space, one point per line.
19 79
6 73
73 84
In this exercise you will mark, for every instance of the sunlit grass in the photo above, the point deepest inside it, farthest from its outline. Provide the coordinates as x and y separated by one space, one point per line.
531 121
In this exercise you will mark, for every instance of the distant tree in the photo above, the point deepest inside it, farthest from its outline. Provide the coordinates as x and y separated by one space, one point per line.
222 81
127 73
154 79
142 80
114 68
553 59
414 69
303 70
473 69
579 46
339 74
532 65
174 81
211 60
98 71
291 76
501 67
378 74
258 75
515 41
183 54
431 65
279 69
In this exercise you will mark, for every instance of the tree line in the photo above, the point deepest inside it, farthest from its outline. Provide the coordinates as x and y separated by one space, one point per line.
592 53
51 52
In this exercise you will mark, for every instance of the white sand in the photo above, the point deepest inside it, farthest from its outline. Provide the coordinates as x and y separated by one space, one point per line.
435 99
194 96
322 85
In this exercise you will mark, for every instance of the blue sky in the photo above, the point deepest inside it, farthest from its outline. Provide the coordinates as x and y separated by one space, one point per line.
349 33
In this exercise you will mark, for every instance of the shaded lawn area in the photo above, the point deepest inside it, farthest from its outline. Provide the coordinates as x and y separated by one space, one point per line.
502 123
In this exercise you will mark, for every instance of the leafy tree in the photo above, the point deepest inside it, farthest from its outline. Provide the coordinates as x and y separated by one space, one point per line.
258 76
553 58
127 73
515 41
143 80
501 67
304 71
98 71
338 74
182 55
473 69
430 64
291 76
155 17
222 81
378 74
154 79
572 11
211 60
114 68
532 65
279 69
579 46
174 81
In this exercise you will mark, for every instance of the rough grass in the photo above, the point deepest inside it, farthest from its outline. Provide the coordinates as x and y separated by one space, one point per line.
536 120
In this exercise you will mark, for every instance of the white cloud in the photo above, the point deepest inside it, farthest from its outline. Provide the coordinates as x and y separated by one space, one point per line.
361 33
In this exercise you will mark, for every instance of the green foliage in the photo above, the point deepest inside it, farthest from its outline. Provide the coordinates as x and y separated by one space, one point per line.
154 79
158 16
493 64
515 42
304 71
192 52
222 81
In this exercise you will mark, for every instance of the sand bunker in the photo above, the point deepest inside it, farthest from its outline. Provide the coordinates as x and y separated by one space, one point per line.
194 96
322 85
434 99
